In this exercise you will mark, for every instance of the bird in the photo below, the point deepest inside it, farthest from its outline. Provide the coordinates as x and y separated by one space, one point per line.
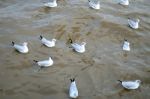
94 4
44 63
80 48
133 23
130 84
126 45
48 43
124 2
73 91
51 4
23 48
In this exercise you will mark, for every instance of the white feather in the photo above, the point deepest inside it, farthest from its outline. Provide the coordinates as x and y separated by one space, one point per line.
134 23
73 91
21 48
45 63
94 5
126 46
48 43
124 2
79 47
131 84
51 4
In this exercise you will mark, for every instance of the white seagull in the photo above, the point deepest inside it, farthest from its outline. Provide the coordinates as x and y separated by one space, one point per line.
94 4
126 45
45 63
73 91
51 4
124 2
21 48
133 23
48 43
130 84
80 48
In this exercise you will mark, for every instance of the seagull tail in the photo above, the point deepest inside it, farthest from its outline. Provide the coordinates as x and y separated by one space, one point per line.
13 43
41 36
35 61
120 81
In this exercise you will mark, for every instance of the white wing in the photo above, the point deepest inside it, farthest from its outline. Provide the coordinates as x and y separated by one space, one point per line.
20 48
51 4
73 91
78 48
130 85
94 5
124 2
48 43
45 63
133 24
126 46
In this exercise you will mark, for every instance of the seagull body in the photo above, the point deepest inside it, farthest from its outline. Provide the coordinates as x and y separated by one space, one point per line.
131 84
48 43
133 23
21 48
124 2
80 48
73 91
126 46
51 4
94 5
45 63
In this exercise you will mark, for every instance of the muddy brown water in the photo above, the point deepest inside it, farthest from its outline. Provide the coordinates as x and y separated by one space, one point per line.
96 71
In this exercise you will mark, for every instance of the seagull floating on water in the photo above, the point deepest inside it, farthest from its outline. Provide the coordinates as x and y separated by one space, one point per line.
133 23
130 84
126 45
21 48
94 4
73 91
124 2
45 63
51 4
80 48
48 43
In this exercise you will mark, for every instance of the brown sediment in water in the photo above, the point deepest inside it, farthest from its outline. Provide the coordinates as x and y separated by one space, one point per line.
96 71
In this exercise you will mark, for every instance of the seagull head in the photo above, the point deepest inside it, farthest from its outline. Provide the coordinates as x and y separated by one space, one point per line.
125 40
54 40
25 44
50 58
137 20
138 81
83 43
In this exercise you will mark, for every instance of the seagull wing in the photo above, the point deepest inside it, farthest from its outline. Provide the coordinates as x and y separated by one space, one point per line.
76 46
73 90
18 47
130 85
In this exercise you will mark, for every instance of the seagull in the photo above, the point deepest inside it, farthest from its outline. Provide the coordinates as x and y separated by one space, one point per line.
130 84
45 63
124 2
73 91
126 45
133 23
48 43
51 4
80 48
21 48
94 4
